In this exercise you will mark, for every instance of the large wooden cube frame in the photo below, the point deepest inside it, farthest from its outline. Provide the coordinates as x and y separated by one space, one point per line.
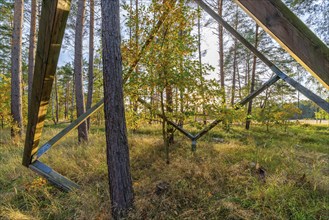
276 19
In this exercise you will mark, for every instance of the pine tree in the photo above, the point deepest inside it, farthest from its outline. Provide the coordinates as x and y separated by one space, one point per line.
16 71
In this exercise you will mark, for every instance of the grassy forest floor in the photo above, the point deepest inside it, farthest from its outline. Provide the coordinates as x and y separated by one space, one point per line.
222 180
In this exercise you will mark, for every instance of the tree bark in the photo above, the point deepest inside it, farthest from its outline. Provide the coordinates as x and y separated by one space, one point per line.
79 94
120 182
56 100
16 71
136 51
169 109
221 51
236 22
72 101
200 67
91 59
252 86
32 42
67 97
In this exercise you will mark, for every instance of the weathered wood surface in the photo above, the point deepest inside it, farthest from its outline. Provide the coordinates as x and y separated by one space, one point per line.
292 34
51 31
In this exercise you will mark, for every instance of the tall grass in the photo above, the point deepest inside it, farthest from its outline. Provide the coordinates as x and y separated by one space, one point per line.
219 181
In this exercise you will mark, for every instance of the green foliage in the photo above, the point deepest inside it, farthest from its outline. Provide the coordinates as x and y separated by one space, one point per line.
5 114
6 16
321 115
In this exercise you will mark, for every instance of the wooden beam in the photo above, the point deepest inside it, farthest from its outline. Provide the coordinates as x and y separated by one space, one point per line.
292 34
52 176
51 31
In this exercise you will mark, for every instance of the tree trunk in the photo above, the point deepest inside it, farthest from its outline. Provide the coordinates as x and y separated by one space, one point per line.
56 100
252 86
72 101
67 95
32 42
135 102
79 94
200 67
91 60
169 109
234 74
221 51
16 71
53 107
236 22
120 182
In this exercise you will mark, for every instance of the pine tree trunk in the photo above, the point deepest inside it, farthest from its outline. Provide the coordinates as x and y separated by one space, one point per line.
67 95
56 100
252 86
200 67
91 60
32 42
79 94
236 22
234 75
120 182
72 101
16 71
221 51
135 103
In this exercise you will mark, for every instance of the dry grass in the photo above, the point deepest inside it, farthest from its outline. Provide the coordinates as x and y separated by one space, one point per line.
219 181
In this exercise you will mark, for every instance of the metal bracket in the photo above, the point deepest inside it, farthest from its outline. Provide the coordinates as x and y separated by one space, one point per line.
193 145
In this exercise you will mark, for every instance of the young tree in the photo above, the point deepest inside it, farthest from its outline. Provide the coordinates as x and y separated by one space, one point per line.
16 71
120 182
80 105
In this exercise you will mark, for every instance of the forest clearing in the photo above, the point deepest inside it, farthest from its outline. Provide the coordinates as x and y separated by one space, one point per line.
218 181
172 109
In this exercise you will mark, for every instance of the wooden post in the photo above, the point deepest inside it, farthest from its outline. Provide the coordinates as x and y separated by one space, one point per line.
51 31
292 34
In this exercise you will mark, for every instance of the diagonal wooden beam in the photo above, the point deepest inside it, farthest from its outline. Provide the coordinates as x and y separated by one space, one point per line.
292 34
51 31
